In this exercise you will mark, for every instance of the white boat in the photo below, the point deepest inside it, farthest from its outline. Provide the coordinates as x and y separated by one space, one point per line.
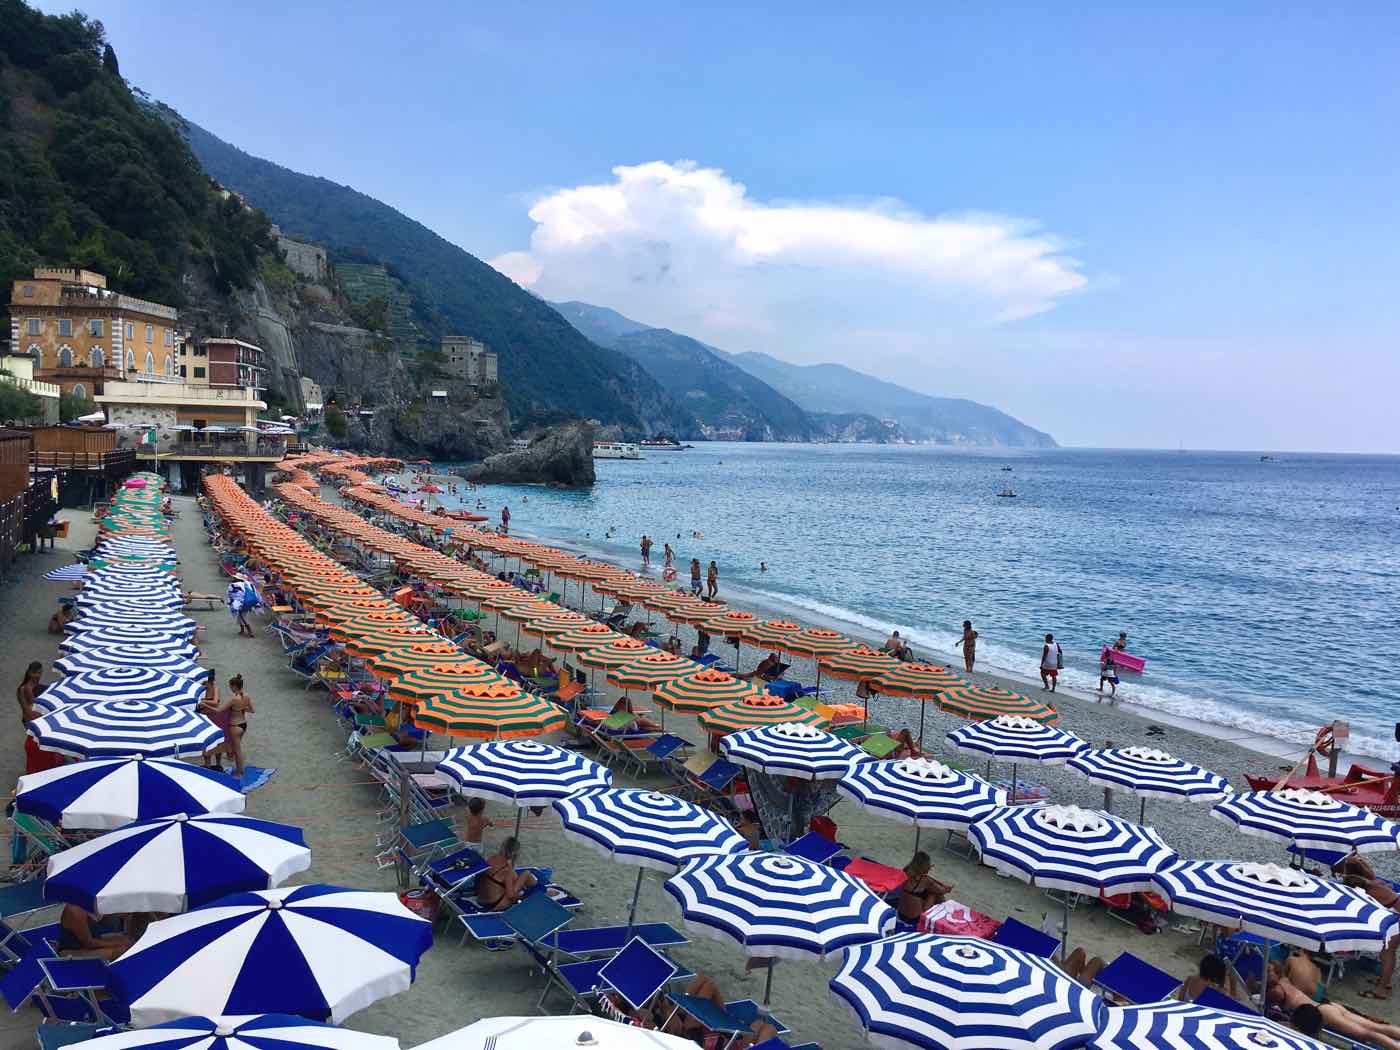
662 444
615 450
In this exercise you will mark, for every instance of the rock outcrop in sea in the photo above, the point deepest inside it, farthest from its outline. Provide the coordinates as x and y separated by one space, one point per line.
562 456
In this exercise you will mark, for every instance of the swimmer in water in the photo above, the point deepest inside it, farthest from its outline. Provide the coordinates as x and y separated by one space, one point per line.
763 566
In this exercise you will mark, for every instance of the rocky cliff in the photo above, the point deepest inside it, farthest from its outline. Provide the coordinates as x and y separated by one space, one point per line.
561 456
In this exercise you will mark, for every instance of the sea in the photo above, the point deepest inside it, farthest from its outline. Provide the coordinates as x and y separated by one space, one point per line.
1262 591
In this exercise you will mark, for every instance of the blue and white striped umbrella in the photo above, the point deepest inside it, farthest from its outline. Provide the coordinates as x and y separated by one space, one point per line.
120 728
522 772
321 952
1282 904
121 683
1017 737
1149 773
99 596
128 634
256 1032
174 863
1071 849
107 793
921 791
173 625
67 573
1309 819
1189 1026
135 545
646 828
791 749
130 574
778 906
130 656
963 993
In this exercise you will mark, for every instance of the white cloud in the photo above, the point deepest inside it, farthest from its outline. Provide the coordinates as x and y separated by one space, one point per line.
686 247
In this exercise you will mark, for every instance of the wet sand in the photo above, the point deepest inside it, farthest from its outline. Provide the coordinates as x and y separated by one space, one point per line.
293 730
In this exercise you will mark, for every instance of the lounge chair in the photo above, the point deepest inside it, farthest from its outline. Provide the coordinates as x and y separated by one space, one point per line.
713 780
1133 981
814 847
1013 933
56 1035
1219 1001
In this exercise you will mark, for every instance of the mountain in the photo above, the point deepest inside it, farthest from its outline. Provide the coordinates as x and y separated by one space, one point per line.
727 401
549 370
837 389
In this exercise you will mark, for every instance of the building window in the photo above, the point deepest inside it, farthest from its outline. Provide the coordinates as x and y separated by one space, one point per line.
150 333
130 330
80 391
198 372
35 326
37 352
200 351
29 291
150 362
183 372
130 361
95 327
65 326
170 364
169 338
65 357
96 359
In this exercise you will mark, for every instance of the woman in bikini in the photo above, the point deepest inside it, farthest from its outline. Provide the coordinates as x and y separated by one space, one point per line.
35 759
212 709
921 891
240 706
500 885
79 938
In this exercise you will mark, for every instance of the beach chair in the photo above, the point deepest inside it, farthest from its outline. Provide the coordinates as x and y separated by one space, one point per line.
306 664
583 981
18 902
670 752
718 1019
815 847
881 745
1131 980
41 841
56 1035
637 973
1013 933
707 778
1219 1001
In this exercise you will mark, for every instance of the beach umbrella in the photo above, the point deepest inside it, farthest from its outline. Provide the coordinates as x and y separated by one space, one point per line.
109 792
489 711
419 656
861 664
614 654
1070 849
963 993
1018 738
1149 773
121 728
651 670
321 952
921 792
760 709
1310 820
142 656
645 828
918 681
122 683
989 701
128 634
170 625
254 1032
441 679
67 573
702 690
730 625
521 772
1189 1026
776 906
589 636
158 598
792 749
370 643
817 643
548 627
173 863
769 634
537 1033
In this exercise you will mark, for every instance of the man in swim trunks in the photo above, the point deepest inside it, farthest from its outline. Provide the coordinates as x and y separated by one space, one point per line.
968 641
1050 663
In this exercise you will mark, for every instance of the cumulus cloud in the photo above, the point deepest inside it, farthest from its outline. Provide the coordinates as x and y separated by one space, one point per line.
686 247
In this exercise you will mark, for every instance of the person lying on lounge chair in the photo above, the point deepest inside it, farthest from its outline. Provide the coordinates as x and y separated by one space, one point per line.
1287 996
678 1022
1079 966
500 886
624 703
79 938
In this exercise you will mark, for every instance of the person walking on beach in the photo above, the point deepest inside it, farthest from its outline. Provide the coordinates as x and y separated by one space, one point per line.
695 576
35 759
1052 658
712 580
505 521
240 597
646 551
1108 672
668 556
968 641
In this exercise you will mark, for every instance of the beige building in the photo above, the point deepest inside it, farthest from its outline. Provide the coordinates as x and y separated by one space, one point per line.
469 359
18 370
81 335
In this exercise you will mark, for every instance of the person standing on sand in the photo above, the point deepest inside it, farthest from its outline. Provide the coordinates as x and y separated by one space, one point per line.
1108 672
1051 658
505 521
646 551
712 580
36 760
240 706
968 641
668 556
695 576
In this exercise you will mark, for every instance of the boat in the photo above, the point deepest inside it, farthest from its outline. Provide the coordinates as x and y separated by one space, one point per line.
1007 493
615 450
1373 789
1006 468
662 444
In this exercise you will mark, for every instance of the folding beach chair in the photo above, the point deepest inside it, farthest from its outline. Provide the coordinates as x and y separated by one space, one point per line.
670 751
814 847
57 1035
41 841
637 973
1131 980
715 1018
306 664
708 779
1219 1001
609 940
1013 933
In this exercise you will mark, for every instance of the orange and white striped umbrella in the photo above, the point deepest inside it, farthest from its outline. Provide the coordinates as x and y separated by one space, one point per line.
441 679
861 663
763 709
590 636
770 634
988 701
614 654
701 691
490 711
651 669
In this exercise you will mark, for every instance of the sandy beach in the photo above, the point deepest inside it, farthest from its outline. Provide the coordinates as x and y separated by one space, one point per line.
294 731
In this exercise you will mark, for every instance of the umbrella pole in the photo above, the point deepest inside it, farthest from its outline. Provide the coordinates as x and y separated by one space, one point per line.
519 812
918 830
1013 783
768 984
636 893
1064 932
923 708
1142 811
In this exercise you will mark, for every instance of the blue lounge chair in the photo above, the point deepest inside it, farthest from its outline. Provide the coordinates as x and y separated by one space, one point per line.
1013 933
713 782
1135 981
715 1018
814 847
637 973
609 940
669 749
1219 1001
55 1036
747 1009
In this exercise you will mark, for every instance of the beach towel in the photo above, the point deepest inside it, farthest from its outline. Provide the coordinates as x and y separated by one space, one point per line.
255 777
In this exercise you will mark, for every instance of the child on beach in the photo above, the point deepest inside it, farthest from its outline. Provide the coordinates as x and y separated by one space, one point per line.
1108 673
477 821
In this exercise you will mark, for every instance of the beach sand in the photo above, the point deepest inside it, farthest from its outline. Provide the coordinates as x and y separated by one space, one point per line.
334 801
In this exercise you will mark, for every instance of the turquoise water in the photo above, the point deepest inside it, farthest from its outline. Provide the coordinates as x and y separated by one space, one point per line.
1264 595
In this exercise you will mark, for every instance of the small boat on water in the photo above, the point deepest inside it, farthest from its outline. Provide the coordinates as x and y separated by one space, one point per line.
615 450
662 444
1006 468
1007 493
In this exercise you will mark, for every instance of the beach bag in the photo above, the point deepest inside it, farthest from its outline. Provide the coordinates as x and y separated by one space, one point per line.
1059 657
422 902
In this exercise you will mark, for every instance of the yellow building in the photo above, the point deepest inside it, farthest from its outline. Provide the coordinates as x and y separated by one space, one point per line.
81 335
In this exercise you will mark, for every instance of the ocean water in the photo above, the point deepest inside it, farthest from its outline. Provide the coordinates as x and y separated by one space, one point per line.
1264 595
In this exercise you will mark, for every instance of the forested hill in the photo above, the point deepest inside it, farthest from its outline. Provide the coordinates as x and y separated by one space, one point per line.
550 370
90 178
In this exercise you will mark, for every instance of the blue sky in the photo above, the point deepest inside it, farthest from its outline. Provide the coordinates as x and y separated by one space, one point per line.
1130 226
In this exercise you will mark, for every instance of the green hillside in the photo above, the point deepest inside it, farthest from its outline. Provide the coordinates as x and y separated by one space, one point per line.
550 371
89 177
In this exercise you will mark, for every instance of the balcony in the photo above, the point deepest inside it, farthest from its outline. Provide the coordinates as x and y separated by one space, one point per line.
80 372
179 393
